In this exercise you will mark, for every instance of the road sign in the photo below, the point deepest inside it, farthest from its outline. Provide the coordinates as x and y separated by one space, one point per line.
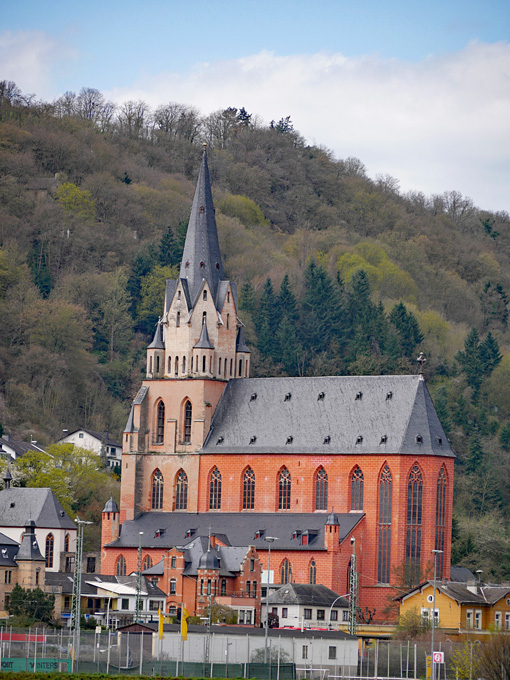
438 657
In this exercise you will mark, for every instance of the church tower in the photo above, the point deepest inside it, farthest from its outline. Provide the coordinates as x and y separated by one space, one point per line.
198 346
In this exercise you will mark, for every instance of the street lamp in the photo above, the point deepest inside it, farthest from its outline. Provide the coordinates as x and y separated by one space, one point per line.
432 666
268 540
340 597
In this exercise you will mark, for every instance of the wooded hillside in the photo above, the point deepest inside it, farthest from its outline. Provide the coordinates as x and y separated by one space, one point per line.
338 273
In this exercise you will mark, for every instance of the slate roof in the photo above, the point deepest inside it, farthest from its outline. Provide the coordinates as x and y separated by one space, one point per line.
461 575
157 342
233 631
307 594
8 550
102 436
19 447
201 257
17 505
241 345
203 340
168 529
29 548
327 415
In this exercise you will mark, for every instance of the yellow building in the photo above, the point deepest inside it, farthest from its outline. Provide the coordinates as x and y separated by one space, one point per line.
461 608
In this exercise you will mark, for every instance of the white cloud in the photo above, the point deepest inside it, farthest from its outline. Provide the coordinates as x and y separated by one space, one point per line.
29 57
436 125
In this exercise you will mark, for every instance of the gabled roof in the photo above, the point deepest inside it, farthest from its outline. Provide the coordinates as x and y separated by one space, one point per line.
241 345
459 592
103 437
17 505
307 594
168 529
326 415
7 444
201 257
91 583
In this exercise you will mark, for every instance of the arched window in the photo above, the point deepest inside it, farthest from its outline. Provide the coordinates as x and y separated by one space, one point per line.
169 365
231 367
204 318
184 364
219 366
150 364
248 489
313 572
203 364
160 430
157 363
442 484
225 371
284 486
228 321
157 490
215 490
178 319
357 489
147 562
188 411
414 519
120 566
223 590
321 489
176 366
204 295
50 543
384 525
181 491
285 572
66 543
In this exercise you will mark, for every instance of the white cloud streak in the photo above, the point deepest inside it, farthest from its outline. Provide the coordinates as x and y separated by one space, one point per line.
436 125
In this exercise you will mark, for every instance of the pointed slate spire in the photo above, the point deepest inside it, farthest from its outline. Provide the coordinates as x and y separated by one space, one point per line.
157 342
29 548
201 258
203 340
241 345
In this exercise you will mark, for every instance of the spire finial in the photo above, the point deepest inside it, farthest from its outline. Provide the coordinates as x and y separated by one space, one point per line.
421 360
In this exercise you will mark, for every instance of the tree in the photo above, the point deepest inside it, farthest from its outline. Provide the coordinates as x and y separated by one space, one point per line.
152 297
407 329
495 658
411 625
470 360
32 605
321 310
267 320
466 661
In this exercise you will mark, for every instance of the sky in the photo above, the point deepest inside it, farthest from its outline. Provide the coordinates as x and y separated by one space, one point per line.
416 89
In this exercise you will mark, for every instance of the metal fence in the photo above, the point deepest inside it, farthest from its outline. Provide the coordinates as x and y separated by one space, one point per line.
113 653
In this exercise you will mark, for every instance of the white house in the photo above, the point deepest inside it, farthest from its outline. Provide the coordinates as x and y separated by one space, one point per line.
10 449
301 605
99 442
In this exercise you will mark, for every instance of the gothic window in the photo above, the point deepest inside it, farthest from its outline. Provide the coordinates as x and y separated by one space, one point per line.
157 364
215 490
249 489
284 485
414 518
176 366
204 295
204 317
219 366
160 430
203 364
228 321
285 572
384 525
157 490
150 364
50 543
181 491
120 566
66 543
440 519
184 364
357 489
321 489
169 364
313 572
231 367
147 563
240 368
187 422
178 319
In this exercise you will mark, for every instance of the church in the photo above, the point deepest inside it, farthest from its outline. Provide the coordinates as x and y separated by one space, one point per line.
312 469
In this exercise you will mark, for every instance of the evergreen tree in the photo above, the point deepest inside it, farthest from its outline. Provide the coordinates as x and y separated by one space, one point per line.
504 436
470 361
476 455
321 311
494 306
407 328
266 321
32 604
247 299
169 251
490 356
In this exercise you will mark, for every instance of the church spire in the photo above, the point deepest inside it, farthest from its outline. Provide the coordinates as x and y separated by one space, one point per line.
201 258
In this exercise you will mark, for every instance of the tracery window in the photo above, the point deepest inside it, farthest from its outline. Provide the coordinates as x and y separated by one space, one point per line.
50 544
157 490
414 518
249 489
120 566
284 488
442 484
181 491
215 490
357 489
384 525
160 429
147 563
313 572
321 489
286 572
188 411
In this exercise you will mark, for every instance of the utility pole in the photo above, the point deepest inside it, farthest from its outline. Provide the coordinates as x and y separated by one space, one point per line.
76 604
138 606
353 591
432 665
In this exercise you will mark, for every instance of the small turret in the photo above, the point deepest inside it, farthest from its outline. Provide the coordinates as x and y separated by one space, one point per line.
110 522
30 560
156 354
